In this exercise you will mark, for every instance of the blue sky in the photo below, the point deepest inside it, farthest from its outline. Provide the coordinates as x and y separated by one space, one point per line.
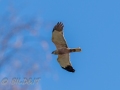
93 25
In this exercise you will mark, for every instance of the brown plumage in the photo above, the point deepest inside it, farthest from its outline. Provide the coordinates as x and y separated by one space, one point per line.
62 47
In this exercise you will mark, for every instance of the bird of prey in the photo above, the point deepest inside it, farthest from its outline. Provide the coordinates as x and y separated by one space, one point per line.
62 48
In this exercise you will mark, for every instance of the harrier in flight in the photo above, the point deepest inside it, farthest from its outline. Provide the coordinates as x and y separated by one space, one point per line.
62 48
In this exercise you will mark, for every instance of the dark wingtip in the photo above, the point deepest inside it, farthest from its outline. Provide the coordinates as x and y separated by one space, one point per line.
59 26
69 68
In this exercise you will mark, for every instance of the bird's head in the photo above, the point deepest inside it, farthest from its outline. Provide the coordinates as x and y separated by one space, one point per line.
54 52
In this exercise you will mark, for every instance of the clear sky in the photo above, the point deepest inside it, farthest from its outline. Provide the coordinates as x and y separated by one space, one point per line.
93 25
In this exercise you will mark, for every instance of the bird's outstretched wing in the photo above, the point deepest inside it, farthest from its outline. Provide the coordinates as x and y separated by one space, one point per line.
64 61
58 37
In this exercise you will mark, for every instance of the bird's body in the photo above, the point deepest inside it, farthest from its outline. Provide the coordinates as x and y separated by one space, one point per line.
61 51
62 48
65 50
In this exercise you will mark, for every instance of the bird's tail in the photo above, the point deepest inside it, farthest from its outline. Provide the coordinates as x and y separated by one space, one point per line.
75 49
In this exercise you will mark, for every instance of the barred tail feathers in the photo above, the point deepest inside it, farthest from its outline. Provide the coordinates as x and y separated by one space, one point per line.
75 50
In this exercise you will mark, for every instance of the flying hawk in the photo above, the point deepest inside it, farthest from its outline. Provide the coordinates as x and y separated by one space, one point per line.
62 48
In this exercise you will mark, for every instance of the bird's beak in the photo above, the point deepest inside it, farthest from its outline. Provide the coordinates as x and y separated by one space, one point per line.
52 52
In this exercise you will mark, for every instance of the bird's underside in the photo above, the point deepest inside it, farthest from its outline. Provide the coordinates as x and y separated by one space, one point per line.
62 48
66 50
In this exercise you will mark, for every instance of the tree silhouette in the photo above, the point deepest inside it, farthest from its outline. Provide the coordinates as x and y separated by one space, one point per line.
24 53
